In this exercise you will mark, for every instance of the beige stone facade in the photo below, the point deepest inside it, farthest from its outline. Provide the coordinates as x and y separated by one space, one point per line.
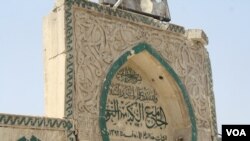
54 62
117 75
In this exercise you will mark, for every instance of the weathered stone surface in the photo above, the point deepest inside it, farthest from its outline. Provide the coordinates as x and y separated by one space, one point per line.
116 75
100 38
197 35
54 63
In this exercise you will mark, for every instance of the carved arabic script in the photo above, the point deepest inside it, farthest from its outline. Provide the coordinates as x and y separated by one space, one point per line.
137 134
133 92
136 113
132 103
128 75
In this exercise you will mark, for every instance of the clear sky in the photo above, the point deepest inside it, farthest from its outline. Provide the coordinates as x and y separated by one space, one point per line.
226 22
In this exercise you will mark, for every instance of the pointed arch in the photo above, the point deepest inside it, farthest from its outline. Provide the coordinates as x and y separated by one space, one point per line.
124 58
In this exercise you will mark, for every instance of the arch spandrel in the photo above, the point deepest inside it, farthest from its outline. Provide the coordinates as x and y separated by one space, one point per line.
143 99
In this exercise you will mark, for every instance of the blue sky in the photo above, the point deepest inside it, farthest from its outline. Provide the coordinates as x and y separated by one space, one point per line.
226 22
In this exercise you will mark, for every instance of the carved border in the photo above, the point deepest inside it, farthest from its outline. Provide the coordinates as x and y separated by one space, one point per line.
212 97
7 120
115 67
69 76
42 123
69 92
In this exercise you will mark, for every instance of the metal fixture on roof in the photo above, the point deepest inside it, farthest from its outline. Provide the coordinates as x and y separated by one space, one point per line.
157 9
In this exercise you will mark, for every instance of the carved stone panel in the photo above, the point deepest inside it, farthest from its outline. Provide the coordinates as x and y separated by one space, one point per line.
99 38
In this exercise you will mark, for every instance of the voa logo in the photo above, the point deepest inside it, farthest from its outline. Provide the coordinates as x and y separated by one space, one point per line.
236 132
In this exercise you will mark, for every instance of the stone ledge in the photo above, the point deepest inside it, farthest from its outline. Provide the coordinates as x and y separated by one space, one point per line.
197 35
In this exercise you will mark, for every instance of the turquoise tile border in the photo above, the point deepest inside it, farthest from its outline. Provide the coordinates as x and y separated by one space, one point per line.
116 66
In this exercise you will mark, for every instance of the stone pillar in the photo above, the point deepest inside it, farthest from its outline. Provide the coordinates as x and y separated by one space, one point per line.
54 61
199 40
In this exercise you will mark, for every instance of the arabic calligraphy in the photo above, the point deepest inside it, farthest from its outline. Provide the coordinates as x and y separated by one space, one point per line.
133 92
137 134
128 75
136 114
134 104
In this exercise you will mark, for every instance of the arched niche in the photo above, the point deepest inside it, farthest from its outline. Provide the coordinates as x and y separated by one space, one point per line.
143 99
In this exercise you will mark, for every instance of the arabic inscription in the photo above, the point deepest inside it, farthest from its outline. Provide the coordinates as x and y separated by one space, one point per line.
133 110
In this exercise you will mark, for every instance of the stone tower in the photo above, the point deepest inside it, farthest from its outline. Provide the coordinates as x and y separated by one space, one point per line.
117 75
